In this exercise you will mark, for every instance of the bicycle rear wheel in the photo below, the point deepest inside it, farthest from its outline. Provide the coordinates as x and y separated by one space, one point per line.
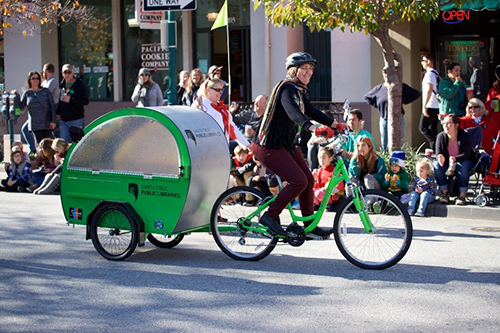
232 234
391 234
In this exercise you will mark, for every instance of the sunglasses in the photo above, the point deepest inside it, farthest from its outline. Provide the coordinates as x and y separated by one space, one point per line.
34 78
217 89
67 72
474 107
144 75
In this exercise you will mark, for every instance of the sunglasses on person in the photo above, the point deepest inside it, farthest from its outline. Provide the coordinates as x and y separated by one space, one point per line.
35 78
144 75
219 90
67 72
474 107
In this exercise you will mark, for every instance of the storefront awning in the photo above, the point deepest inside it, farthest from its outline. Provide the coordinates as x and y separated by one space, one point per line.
474 5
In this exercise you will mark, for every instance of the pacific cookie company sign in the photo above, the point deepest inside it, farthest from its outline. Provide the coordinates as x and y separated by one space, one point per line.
153 57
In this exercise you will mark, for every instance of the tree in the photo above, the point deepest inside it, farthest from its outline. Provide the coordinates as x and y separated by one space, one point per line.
373 17
30 15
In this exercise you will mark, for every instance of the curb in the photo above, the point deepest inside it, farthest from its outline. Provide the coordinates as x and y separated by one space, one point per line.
469 211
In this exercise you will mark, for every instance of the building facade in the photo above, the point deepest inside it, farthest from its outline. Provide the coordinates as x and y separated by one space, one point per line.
349 64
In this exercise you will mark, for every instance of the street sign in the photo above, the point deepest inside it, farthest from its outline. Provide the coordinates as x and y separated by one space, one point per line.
173 5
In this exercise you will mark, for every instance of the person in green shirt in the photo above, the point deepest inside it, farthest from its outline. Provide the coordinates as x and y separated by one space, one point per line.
396 180
355 123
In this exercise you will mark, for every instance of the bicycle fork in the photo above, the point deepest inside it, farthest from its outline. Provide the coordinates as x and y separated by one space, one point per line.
359 203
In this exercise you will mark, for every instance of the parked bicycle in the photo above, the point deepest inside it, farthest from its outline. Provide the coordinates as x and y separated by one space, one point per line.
371 228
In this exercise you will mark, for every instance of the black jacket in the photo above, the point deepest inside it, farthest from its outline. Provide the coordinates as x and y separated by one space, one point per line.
288 117
79 98
378 97
464 145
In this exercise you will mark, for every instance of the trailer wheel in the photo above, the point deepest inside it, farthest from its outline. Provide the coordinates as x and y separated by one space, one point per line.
114 232
165 241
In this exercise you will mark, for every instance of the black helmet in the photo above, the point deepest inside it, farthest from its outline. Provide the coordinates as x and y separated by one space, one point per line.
298 58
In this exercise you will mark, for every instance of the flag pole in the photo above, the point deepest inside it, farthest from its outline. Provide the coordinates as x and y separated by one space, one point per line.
228 65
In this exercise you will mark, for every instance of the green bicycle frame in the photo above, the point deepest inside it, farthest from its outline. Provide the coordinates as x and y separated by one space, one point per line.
339 174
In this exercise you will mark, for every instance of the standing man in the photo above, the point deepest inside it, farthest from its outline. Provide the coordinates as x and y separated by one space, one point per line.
378 97
73 99
50 83
430 103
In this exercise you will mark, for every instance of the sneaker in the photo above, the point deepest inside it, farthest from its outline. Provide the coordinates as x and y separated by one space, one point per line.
460 201
31 188
273 225
330 208
22 189
445 198
248 204
419 213
411 212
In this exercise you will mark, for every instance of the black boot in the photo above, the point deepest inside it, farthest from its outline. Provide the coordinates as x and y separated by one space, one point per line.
273 225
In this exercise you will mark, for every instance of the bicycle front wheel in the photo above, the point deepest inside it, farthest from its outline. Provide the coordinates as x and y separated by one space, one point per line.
236 235
389 238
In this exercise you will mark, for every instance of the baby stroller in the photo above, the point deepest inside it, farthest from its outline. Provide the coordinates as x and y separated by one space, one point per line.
491 176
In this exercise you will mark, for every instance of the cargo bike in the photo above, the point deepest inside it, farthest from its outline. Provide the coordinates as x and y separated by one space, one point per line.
156 174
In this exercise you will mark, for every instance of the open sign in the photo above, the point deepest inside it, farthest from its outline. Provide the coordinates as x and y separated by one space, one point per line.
455 16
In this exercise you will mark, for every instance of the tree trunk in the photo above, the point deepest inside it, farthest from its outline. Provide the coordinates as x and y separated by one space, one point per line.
394 86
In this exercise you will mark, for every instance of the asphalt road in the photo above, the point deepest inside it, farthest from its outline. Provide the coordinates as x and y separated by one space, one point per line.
53 280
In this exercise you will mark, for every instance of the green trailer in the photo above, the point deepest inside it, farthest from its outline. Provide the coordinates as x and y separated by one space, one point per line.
145 173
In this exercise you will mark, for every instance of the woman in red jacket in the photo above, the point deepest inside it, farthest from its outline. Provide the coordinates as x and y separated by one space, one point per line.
477 115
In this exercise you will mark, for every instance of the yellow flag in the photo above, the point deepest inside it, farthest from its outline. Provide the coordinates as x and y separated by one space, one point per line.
221 18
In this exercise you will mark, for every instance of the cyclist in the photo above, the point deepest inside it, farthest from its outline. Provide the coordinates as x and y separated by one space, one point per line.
275 144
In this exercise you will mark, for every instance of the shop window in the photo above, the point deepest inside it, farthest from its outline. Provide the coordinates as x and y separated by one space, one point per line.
90 50
143 48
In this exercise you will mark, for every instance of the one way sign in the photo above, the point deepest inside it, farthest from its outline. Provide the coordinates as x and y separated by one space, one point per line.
159 5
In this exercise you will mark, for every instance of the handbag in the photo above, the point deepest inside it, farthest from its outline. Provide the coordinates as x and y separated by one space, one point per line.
48 114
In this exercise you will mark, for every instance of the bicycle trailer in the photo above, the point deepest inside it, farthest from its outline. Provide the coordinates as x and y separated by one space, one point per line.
145 173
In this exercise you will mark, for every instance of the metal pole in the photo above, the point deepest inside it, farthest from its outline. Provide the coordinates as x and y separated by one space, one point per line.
172 60
228 63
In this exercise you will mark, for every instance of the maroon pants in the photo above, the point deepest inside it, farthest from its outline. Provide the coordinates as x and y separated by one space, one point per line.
293 169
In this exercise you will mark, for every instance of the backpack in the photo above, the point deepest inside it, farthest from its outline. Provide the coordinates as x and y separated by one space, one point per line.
436 88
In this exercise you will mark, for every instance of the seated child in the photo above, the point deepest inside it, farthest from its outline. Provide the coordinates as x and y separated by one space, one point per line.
260 178
322 177
45 160
424 188
52 181
19 172
26 156
242 165
397 179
